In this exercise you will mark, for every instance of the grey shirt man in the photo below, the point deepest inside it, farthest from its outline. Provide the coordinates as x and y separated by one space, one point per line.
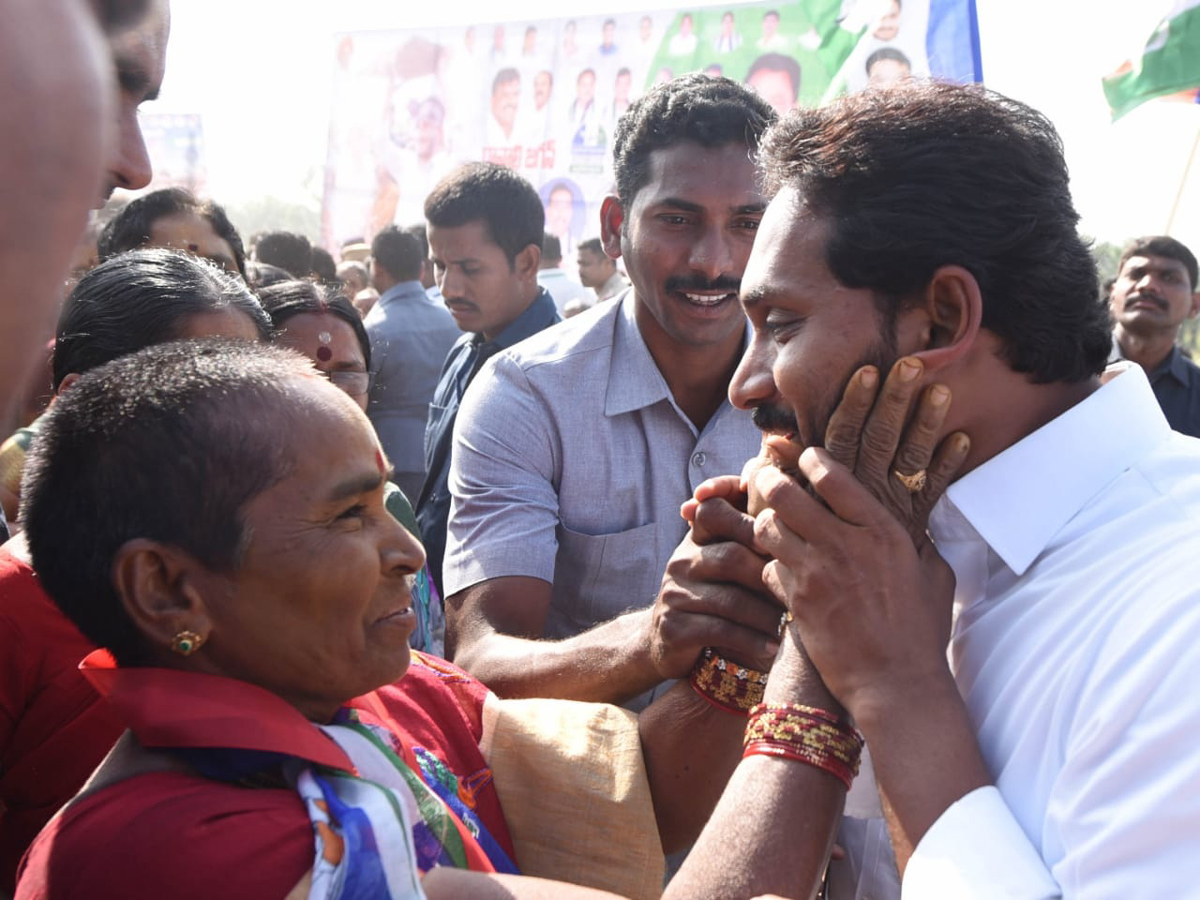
410 337
570 462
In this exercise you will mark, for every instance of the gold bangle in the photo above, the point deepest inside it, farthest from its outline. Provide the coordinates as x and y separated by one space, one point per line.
726 685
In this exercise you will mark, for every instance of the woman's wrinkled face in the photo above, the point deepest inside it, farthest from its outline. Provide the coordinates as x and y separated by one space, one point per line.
334 349
319 610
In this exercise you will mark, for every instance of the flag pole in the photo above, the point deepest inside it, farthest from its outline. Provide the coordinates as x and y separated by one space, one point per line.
1187 171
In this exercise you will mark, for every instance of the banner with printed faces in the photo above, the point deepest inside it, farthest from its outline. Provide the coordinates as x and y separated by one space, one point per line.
544 97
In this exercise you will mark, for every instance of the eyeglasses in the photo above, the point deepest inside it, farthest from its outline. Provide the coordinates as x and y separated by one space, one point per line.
353 383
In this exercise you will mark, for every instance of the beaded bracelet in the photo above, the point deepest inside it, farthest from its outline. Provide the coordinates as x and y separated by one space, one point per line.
726 685
805 734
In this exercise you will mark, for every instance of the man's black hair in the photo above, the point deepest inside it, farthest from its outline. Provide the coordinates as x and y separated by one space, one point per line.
289 251
399 252
497 196
167 444
293 298
592 245
1166 247
323 266
418 231
130 228
928 174
140 298
260 275
711 112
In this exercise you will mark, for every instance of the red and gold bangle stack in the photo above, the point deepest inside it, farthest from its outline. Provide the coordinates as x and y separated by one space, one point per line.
805 734
726 685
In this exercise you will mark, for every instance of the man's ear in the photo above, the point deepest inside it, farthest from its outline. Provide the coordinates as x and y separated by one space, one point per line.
159 587
525 263
953 314
1195 308
69 379
612 217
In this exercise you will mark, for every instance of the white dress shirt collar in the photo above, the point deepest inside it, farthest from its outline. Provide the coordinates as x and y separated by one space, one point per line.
1019 499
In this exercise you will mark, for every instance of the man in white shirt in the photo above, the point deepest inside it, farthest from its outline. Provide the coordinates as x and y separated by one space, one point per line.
1050 752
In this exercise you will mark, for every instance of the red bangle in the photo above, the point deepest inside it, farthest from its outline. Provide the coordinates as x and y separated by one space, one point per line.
726 685
805 734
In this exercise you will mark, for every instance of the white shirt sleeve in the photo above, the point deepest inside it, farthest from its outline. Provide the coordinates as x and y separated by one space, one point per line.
1122 814
977 849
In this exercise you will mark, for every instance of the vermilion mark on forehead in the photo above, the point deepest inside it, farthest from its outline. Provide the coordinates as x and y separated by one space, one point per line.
380 462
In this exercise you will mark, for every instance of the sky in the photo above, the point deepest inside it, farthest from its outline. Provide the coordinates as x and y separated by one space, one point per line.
258 72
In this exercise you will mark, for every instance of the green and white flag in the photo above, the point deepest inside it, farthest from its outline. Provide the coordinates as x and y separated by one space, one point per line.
1169 64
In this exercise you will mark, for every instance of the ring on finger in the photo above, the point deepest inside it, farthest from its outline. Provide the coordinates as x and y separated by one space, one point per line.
914 483
784 618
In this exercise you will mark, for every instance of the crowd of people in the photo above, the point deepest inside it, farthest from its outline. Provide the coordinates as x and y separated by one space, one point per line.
838 543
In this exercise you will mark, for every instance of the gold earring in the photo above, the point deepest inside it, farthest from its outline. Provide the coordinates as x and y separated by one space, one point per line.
186 643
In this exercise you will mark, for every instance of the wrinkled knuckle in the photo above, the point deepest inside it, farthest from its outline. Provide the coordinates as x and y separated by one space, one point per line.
764 525
880 443
927 424
772 490
680 563
710 515
818 475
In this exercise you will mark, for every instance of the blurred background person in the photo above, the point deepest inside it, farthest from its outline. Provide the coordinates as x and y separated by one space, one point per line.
410 335
598 271
428 279
286 250
324 269
176 219
354 277
551 276
1154 293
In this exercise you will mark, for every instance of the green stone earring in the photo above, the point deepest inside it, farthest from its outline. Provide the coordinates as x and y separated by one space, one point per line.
186 643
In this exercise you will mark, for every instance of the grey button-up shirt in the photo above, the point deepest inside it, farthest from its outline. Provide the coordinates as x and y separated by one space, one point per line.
571 459
410 337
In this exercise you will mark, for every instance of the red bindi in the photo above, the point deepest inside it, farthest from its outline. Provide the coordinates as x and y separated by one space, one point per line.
324 354
379 461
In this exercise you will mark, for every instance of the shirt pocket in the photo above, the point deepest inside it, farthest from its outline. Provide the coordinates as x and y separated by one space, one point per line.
599 576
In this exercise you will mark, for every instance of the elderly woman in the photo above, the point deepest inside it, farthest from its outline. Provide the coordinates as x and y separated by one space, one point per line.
285 742
327 329
53 732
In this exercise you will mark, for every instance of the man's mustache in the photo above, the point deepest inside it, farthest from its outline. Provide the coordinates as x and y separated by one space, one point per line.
699 284
1142 297
774 419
